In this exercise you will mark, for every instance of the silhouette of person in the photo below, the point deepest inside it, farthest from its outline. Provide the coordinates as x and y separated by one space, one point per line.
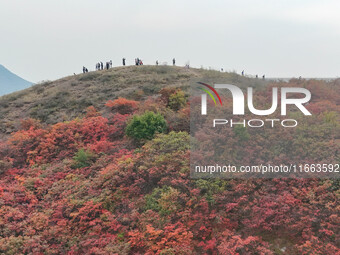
101 65
110 63
243 73
123 61
173 61
156 62
107 65
84 69
263 77
256 76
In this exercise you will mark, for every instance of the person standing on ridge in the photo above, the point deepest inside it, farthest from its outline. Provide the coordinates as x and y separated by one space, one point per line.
110 63
173 61
243 73
101 66
156 62
123 61
263 77
84 69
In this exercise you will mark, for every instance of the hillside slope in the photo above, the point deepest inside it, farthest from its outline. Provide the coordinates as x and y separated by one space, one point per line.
10 82
67 98
118 181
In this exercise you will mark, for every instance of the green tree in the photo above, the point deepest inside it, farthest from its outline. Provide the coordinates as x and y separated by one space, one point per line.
145 126
241 133
83 158
177 100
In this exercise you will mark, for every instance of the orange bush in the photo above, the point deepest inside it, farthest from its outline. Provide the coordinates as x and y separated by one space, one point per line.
123 105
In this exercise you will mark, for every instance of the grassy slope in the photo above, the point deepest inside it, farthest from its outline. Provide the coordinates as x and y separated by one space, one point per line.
67 98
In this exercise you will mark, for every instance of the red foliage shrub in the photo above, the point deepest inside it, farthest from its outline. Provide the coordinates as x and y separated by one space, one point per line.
91 111
166 93
142 200
118 124
26 124
232 243
123 106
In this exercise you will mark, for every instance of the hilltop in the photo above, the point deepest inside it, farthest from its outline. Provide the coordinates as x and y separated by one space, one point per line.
10 82
67 98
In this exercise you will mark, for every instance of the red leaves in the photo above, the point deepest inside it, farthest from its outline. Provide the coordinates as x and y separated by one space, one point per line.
232 243
91 112
166 93
26 124
143 202
24 142
123 106
94 129
118 123
155 241
60 140
316 246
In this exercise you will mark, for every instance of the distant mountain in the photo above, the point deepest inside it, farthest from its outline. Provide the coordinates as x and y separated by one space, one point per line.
10 82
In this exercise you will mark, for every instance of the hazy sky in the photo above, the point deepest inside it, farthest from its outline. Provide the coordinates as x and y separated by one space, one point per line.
46 40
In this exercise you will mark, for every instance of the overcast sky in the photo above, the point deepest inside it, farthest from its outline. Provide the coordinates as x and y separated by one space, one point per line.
46 40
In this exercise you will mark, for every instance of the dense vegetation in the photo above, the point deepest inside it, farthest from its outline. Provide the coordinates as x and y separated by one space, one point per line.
94 185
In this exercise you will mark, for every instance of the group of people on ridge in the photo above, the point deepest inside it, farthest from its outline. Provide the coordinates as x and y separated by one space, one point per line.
138 62
100 65
173 62
85 70
256 76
